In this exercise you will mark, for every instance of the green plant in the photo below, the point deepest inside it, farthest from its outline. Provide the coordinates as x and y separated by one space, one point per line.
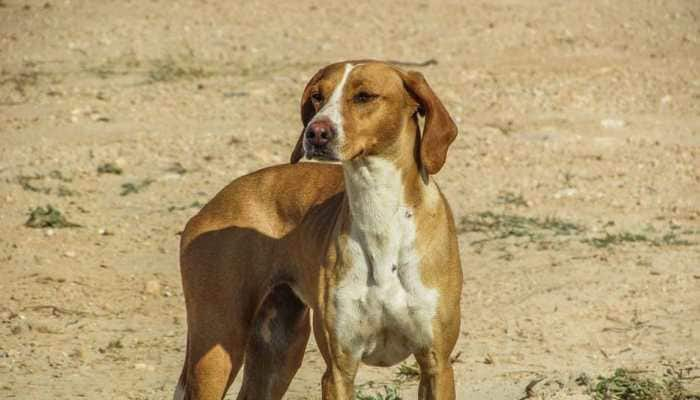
624 384
511 198
109 168
390 393
615 238
502 226
48 217
130 187
407 372
175 68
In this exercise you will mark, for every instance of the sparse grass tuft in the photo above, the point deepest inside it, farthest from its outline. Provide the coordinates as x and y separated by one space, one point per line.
48 217
194 204
63 191
502 226
511 198
109 168
177 168
624 384
28 183
176 68
390 393
121 65
135 187
611 239
56 174
407 372
21 81
672 239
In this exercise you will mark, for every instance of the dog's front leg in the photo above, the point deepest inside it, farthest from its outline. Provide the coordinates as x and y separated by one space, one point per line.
339 379
341 367
436 376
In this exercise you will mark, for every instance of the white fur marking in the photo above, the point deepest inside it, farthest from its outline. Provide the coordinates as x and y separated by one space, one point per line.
383 310
332 109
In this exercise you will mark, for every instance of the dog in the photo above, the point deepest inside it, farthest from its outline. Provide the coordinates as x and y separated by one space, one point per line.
365 248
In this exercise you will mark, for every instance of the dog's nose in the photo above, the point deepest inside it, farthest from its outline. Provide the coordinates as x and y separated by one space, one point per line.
320 132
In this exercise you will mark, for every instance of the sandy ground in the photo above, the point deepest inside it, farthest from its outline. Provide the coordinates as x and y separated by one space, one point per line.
575 177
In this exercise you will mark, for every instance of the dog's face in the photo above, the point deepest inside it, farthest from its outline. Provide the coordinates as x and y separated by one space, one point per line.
356 109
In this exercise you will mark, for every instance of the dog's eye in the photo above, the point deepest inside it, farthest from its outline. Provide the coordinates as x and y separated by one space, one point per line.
364 97
317 98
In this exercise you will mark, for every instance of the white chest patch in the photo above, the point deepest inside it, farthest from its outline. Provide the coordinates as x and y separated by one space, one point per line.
383 311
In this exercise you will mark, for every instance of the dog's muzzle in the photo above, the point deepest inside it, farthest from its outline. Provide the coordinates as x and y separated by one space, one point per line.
318 139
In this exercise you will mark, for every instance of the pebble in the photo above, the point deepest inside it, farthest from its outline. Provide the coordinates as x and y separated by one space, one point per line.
610 123
49 232
152 287
568 192
142 366
70 254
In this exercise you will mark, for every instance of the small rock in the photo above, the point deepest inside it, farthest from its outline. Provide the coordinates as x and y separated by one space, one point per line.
568 192
152 287
120 162
69 254
142 366
610 123
49 232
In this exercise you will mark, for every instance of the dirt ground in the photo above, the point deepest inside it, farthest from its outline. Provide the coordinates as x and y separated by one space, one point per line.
575 178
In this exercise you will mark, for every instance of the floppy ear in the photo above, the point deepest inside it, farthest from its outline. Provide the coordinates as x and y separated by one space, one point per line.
307 112
439 130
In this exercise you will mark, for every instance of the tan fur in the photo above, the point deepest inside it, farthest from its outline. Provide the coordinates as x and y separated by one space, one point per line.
278 243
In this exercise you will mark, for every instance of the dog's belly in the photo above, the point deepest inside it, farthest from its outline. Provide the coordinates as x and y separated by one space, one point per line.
383 324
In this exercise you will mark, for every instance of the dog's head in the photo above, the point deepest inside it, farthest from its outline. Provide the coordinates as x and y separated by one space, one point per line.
359 108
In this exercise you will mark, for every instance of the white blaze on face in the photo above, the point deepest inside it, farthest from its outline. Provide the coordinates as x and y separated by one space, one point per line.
332 109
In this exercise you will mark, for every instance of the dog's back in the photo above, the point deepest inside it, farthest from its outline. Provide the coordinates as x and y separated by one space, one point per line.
302 186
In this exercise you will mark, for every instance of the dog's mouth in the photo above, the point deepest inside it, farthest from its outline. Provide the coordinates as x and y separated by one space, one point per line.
320 153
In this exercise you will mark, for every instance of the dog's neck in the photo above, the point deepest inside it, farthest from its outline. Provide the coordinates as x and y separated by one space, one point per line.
383 194
374 187
380 184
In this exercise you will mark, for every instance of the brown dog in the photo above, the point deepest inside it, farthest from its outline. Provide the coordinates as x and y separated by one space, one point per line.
368 246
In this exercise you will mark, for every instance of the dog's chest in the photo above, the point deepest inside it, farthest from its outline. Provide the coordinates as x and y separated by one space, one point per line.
383 312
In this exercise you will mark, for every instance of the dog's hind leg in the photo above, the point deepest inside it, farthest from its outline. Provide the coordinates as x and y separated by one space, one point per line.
276 346
218 326
214 357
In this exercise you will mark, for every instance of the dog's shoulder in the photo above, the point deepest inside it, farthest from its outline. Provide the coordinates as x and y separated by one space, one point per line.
274 199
